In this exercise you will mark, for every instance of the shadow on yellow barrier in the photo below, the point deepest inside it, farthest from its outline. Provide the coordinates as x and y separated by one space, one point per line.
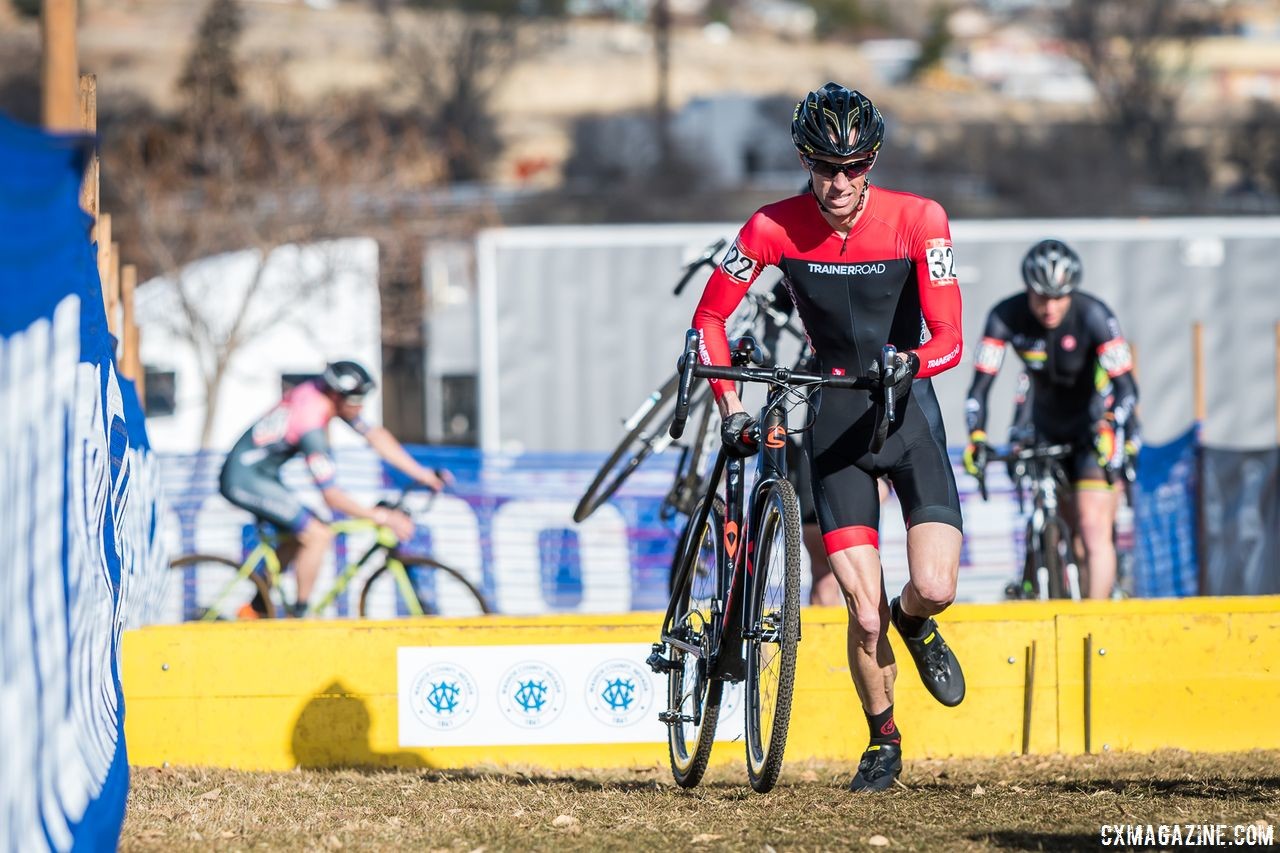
333 732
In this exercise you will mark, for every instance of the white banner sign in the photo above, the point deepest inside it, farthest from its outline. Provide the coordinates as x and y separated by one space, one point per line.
523 695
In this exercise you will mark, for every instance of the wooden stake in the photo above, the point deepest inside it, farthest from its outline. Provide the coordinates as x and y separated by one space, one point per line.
89 124
1197 369
113 293
59 66
103 239
131 358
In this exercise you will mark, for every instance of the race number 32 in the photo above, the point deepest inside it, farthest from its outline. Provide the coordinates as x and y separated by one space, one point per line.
941 259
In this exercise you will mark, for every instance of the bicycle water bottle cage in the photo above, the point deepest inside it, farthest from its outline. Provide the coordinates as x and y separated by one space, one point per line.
746 351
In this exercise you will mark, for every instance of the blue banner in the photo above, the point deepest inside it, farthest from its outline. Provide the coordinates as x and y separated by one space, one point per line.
1164 500
79 524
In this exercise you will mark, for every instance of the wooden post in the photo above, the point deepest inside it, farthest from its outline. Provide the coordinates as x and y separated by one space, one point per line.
131 357
89 124
113 294
1197 369
59 66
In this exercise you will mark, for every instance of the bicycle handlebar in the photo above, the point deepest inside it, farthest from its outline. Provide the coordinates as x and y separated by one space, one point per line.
1036 451
689 368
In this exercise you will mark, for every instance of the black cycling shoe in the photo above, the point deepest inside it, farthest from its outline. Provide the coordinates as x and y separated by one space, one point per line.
879 767
936 663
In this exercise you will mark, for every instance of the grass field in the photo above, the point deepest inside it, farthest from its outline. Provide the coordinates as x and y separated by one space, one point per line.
1024 803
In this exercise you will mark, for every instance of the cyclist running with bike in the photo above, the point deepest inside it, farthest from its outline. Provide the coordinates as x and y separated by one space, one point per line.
299 424
866 267
1064 338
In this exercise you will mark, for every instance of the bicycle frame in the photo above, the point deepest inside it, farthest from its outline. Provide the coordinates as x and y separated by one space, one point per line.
265 554
731 615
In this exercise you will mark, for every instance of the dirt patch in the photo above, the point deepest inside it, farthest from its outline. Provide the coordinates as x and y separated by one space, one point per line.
1035 802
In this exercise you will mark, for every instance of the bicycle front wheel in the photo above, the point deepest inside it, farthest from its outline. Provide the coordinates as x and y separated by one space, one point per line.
213 589
693 698
1053 559
438 590
646 434
773 633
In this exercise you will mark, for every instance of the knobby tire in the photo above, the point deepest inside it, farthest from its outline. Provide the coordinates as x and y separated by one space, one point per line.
775 618
700 698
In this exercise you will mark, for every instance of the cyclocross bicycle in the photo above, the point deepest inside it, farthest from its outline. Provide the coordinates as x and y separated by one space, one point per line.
223 589
734 613
1049 568
646 432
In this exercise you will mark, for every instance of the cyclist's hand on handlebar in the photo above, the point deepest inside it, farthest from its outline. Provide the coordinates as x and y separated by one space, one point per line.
399 522
1104 443
737 431
976 453
904 369
436 479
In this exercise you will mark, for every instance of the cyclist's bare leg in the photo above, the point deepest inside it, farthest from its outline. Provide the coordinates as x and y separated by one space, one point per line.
1096 518
871 663
933 561
314 541
825 591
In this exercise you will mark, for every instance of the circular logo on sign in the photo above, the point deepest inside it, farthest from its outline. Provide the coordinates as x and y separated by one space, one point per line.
619 692
1068 342
444 696
531 695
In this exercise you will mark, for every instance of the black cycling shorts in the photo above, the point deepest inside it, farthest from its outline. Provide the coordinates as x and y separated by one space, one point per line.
262 495
798 474
914 458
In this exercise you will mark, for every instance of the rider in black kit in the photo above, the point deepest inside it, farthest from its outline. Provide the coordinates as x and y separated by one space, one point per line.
1073 351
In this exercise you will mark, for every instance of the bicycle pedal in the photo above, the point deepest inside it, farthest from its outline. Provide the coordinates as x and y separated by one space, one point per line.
658 663
673 717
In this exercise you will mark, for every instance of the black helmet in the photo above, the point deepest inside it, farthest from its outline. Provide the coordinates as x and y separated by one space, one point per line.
347 379
827 118
1052 269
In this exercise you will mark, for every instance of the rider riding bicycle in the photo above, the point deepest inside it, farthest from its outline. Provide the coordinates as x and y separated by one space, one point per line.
866 267
299 424
1064 337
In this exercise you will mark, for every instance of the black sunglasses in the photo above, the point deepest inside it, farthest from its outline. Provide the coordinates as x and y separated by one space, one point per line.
824 169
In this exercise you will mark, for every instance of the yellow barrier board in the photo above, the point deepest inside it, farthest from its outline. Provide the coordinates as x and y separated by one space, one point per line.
281 694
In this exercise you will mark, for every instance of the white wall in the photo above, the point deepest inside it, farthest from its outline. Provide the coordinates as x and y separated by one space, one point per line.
307 304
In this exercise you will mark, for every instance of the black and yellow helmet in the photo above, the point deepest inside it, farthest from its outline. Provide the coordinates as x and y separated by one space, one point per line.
837 122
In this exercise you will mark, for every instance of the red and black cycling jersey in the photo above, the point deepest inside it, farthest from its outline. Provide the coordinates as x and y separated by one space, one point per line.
890 280
1062 364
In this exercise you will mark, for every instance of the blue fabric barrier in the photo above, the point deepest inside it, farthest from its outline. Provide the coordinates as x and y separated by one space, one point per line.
1164 499
77 533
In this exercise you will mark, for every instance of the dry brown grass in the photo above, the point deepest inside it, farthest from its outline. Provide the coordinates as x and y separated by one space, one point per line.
1036 802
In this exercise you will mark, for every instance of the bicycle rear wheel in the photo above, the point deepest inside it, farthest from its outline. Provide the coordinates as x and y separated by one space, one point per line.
439 590
646 434
212 590
692 697
774 633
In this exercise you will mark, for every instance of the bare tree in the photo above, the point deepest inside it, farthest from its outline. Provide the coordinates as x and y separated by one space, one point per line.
1138 53
451 62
